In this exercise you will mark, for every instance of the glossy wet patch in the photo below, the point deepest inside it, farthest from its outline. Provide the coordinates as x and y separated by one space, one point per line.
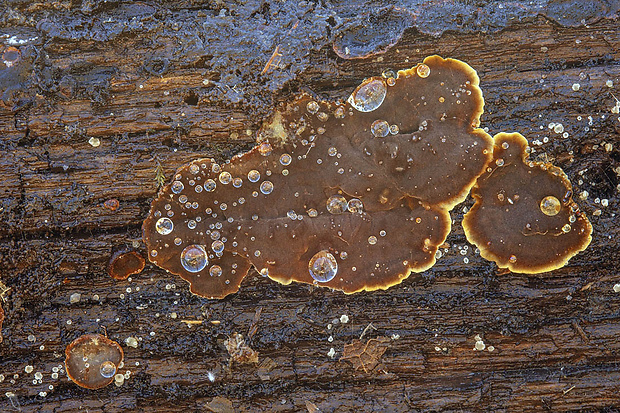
353 196
524 217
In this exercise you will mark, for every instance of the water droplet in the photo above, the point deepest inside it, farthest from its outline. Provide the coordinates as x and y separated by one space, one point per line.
225 177
191 224
337 204
323 266
343 255
182 199
382 233
285 159
505 145
512 259
216 169
332 151
368 96
193 168
566 228
210 185
394 129
380 129
107 369
339 112
265 149
164 226
499 162
194 258
198 189
177 186
292 215
217 246
312 107
215 271
550 205
441 99
253 175
323 116
266 187
423 70
237 182
313 213
372 240
356 206
178 241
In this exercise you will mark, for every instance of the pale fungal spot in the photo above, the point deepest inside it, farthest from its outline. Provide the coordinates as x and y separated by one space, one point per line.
423 70
368 96
94 142
617 288
550 205
164 226
194 258
344 319
576 86
323 266
337 204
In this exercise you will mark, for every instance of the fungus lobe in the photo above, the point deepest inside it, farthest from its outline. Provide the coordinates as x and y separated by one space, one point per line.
524 217
92 360
125 262
353 196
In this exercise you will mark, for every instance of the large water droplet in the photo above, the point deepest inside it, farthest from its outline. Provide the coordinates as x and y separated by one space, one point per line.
337 204
285 159
423 70
323 266
368 96
215 271
550 205
164 226
380 129
107 369
194 258
266 187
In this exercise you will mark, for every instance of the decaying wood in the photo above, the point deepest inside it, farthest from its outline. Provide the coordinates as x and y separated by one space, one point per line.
553 336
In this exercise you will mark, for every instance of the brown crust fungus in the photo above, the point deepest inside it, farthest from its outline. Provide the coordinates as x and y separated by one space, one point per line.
352 196
524 217
93 360
125 262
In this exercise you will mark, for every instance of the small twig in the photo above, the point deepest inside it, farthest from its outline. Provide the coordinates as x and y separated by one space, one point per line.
368 327
254 326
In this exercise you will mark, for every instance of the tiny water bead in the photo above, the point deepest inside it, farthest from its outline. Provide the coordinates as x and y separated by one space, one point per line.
312 107
550 205
164 226
380 129
217 246
225 177
285 159
177 187
215 271
337 204
265 149
253 175
194 258
266 187
369 95
372 240
107 369
210 185
323 266
423 70
237 182
355 206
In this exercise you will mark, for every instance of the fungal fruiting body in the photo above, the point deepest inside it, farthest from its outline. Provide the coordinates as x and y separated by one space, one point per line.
92 360
353 196
524 217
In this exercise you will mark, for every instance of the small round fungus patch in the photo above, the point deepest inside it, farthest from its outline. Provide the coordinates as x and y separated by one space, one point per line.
349 195
125 262
524 217
92 360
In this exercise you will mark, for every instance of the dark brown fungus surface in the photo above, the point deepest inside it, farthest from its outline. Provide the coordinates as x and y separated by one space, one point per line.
524 217
92 360
1 321
349 195
125 262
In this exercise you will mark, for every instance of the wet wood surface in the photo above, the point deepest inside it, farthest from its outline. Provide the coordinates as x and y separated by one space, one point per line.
86 123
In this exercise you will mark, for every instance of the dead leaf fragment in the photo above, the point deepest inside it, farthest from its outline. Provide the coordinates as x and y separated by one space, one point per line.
312 408
365 355
239 351
265 367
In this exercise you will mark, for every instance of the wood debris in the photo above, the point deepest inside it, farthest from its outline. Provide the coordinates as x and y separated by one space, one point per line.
365 355
239 351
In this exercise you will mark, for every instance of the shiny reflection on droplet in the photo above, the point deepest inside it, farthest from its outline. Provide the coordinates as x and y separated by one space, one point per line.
323 266
194 258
